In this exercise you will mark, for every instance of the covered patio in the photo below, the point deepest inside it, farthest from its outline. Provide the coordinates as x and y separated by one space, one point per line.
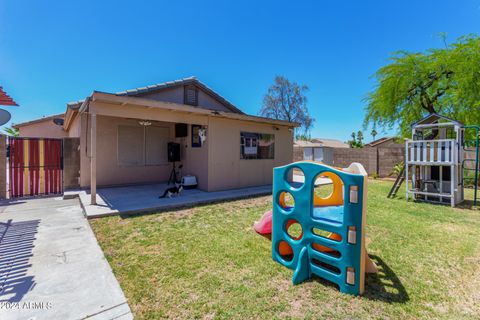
124 140
145 198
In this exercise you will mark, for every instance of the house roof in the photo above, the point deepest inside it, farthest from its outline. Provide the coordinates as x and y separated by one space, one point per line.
378 141
332 143
138 101
46 118
138 92
321 142
435 117
307 144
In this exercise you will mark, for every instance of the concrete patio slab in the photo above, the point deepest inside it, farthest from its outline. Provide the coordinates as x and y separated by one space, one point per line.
51 266
144 198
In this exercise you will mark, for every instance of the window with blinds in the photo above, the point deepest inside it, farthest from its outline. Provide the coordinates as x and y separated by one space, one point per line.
156 140
191 95
130 146
142 146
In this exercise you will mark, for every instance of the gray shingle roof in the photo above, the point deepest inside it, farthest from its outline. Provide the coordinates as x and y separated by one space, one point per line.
160 86
181 82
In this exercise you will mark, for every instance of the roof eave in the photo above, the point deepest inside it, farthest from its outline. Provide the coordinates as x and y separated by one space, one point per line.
34 121
125 100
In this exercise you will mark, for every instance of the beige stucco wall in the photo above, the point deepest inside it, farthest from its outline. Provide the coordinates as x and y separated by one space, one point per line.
42 129
227 171
75 128
109 171
194 160
216 164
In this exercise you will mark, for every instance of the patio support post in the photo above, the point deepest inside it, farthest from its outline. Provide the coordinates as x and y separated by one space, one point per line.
93 160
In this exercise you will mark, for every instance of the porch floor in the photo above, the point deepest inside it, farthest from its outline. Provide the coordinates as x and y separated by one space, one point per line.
144 198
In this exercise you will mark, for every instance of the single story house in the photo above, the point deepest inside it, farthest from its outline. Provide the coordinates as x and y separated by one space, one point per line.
317 149
46 127
123 137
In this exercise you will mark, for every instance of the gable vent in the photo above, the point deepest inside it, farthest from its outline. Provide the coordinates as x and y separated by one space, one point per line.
191 95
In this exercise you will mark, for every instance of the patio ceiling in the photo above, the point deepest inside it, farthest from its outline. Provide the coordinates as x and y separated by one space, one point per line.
113 99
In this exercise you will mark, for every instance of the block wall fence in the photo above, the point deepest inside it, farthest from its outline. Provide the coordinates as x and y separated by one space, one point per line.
376 160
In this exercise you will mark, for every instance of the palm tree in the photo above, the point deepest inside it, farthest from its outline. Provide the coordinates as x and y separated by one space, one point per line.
374 133
360 138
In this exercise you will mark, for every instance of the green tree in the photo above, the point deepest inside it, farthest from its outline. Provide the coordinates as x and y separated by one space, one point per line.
11 131
356 141
360 139
286 100
412 85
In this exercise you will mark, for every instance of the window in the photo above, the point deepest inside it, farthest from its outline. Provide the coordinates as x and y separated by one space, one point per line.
257 145
130 146
142 146
156 140
191 95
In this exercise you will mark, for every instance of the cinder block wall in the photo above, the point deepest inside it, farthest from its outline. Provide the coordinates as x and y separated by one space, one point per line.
378 161
3 167
71 163
297 153
343 157
388 158
470 154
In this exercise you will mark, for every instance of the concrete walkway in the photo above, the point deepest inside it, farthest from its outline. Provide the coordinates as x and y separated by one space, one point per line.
51 266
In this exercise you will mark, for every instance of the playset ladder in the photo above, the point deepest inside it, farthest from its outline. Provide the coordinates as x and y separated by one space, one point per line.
475 160
398 182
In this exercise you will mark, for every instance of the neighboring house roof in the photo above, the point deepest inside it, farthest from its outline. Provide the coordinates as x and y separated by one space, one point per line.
435 117
332 143
138 92
321 142
307 144
124 100
46 118
376 143
5 99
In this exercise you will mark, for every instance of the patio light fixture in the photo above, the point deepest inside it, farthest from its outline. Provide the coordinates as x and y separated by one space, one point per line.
144 123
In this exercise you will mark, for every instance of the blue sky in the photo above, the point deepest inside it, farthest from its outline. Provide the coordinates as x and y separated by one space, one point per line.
53 52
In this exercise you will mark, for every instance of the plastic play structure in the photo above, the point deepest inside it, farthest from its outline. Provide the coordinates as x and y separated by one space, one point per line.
331 244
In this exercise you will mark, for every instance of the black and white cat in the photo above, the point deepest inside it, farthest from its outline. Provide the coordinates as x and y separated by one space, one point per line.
173 191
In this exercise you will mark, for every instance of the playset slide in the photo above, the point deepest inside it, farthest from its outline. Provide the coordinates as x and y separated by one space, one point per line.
331 244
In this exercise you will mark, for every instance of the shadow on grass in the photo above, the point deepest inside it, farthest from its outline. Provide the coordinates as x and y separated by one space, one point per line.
384 285
468 204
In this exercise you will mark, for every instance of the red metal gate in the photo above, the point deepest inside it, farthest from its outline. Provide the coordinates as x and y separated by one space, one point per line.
35 166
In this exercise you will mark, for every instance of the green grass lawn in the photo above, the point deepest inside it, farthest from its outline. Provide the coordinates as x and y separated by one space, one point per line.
207 262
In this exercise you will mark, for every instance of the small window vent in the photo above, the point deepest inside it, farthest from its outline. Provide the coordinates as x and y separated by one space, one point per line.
191 96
